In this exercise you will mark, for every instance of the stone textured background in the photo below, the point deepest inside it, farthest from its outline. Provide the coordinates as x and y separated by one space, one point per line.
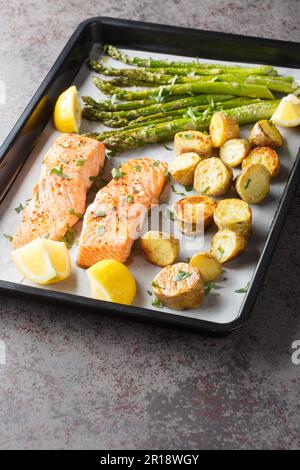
74 380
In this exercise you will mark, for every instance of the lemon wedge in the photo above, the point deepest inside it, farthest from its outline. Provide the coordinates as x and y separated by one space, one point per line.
43 261
68 111
288 112
112 281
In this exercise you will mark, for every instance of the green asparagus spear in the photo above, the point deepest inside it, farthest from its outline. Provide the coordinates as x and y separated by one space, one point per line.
234 103
93 111
142 77
196 88
166 131
111 106
279 86
273 83
119 55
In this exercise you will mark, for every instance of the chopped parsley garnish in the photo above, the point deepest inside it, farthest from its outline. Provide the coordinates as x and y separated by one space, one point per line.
175 191
100 213
149 292
19 208
220 251
155 285
167 174
156 163
137 168
156 302
211 101
65 145
80 162
188 259
182 275
189 188
204 191
73 212
97 182
159 97
100 230
129 198
58 171
206 114
188 136
117 173
190 113
69 237
135 191
243 290
174 80
168 148
209 286
110 153
47 235
247 184
9 237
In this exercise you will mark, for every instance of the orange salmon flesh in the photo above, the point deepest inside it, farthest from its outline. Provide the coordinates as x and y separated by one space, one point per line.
59 198
114 220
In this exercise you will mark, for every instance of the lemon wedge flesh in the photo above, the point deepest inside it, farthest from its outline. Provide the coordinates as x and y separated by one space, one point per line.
68 111
43 261
288 112
112 281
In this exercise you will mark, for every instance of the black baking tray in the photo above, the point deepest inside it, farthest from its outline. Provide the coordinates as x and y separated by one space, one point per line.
156 38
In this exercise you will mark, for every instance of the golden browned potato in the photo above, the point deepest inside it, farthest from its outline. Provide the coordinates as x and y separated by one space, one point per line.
193 141
265 156
212 177
209 267
160 248
234 151
265 134
227 244
179 286
222 128
235 215
253 184
183 168
194 213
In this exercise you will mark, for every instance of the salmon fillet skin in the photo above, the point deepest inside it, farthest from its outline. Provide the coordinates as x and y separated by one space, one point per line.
59 198
114 220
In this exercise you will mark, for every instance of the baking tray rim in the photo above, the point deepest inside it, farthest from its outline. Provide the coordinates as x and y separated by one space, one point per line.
137 313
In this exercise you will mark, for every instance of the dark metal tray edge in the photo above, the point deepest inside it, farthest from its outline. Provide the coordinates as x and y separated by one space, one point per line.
129 312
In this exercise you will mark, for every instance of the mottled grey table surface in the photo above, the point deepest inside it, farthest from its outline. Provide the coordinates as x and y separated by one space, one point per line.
76 380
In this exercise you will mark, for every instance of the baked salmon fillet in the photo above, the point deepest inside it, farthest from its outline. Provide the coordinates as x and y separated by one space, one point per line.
59 198
114 220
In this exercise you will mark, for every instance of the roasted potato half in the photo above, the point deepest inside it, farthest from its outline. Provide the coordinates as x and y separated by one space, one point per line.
265 134
212 177
234 151
193 214
234 214
179 286
160 248
227 244
193 141
265 156
222 128
253 184
183 168
209 267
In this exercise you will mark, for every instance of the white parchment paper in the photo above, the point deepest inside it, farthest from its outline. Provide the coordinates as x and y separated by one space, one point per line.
223 304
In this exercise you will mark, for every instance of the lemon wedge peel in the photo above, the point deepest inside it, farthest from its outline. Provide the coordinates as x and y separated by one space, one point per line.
288 112
43 261
112 281
68 111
